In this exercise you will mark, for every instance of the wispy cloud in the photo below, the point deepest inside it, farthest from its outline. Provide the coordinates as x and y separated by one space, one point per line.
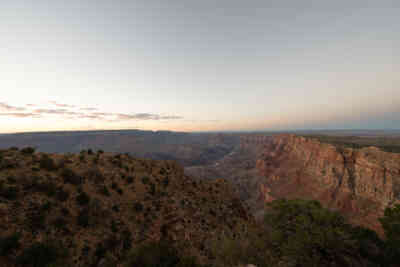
89 109
103 113
55 103
146 116
73 112
6 107
20 115
50 111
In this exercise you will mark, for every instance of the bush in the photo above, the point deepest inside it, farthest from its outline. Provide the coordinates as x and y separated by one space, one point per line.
166 182
49 188
47 163
83 218
152 189
145 180
9 192
70 177
138 206
40 255
28 150
36 219
306 234
83 199
104 191
9 243
391 225
158 254
62 195
95 175
60 223
130 179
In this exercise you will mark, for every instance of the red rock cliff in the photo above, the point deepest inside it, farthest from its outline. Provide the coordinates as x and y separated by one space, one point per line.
359 183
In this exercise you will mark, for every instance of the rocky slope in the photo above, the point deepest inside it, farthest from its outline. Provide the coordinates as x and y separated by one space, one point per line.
358 182
96 207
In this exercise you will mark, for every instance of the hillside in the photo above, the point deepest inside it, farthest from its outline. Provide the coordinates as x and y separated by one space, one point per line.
96 207
359 182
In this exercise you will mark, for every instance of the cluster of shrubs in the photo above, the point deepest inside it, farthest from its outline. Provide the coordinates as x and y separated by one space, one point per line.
28 150
41 255
47 163
303 233
159 254
294 233
70 177
8 192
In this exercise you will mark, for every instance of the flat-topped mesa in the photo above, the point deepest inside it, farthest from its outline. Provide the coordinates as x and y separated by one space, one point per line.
358 182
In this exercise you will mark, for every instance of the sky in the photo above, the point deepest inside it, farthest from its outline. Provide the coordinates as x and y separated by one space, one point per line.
189 65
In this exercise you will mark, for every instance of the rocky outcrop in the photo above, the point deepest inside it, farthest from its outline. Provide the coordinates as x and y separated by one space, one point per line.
359 183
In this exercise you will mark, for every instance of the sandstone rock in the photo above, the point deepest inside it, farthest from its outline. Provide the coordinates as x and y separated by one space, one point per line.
359 183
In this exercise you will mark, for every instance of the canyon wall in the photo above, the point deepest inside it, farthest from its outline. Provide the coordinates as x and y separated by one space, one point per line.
358 183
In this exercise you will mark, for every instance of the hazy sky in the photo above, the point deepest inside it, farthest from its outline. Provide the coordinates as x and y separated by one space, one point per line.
199 65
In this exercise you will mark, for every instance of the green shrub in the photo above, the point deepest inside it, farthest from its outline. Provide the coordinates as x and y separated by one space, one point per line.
11 180
130 179
47 163
49 188
9 243
95 175
9 192
62 195
60 223
158 254
83 199
36 220
104 191
83 218
28 150
166 182
138 207
70 177
306 234
114 185
391 225
7 163
40 255
145 179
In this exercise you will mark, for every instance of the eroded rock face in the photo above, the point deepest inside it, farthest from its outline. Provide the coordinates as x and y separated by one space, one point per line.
359 183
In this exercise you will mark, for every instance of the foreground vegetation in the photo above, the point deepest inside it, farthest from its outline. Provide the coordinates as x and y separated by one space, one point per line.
294 233
99 209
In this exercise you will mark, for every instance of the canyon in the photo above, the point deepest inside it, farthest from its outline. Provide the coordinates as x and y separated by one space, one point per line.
360 183
348 171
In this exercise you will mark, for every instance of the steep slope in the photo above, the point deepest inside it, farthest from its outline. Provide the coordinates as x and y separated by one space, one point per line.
358 182
240 169
97 206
